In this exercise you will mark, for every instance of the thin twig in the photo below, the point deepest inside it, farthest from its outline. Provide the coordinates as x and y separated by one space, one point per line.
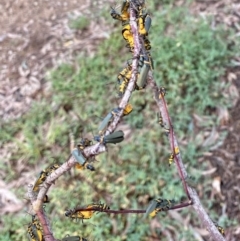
203 216
173 142
125 211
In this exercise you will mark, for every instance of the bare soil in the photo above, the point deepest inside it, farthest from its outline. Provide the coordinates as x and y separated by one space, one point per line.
35 36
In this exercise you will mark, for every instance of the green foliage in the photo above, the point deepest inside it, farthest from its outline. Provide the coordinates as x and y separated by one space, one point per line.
79 23
15 227
189 58
8 131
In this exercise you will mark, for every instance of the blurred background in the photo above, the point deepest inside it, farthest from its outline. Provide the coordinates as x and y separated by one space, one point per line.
59 66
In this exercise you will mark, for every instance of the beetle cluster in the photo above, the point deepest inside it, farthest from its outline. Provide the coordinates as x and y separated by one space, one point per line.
145 64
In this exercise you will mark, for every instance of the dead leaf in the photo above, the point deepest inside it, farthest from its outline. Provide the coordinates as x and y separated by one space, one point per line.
217 184
223 116
231 76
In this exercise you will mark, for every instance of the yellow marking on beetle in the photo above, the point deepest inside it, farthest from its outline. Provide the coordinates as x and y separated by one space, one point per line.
171 159
176 150
128 109
43 176
85 214
162 205
35 230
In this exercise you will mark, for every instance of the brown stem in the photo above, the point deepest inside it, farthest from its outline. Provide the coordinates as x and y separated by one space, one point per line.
171 139
182 205
125 211
203 216
48 236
